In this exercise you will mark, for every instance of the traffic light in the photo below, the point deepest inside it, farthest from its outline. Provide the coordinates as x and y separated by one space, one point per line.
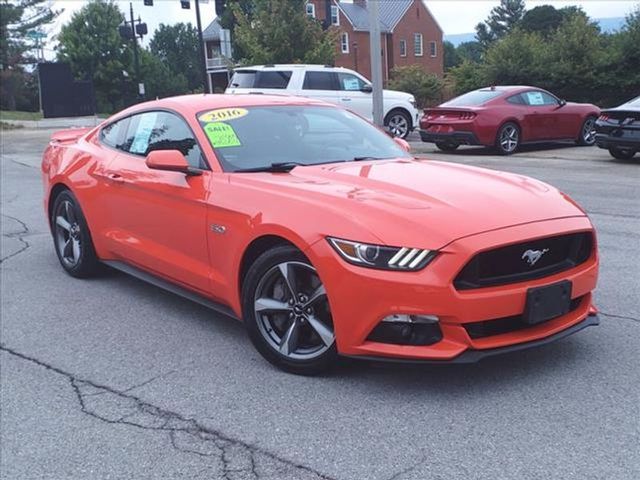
141 29
221 5
148 3
125 32
186 4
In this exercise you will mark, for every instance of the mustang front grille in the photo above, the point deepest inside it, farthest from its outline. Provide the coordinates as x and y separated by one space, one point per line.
525 261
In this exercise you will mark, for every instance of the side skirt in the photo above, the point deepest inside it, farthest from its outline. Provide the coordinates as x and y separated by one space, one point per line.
170 287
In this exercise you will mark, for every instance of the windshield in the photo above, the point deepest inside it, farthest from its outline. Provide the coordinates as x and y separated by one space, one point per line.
477 97
258 137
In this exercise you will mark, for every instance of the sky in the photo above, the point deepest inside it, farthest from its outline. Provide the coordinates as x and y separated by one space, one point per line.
454 16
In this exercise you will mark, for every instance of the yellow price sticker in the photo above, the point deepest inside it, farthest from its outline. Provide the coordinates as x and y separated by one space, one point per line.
223 115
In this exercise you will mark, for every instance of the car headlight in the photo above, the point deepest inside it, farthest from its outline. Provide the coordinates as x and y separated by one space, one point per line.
412 101
381 256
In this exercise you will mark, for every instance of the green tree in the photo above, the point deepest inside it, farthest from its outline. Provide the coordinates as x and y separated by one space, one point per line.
425 87
177 47
451 57
159 79
466 77
91 44
279 31
471 51
17 20
543 19
228 21
501 21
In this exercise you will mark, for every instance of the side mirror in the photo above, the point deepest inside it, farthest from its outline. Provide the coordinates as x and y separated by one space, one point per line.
366 88
170 160
402 143
562 103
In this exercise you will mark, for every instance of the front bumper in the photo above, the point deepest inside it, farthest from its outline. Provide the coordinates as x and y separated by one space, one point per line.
360 298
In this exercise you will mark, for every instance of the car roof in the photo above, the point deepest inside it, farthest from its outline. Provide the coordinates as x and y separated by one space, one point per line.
189 105
511 88
292 66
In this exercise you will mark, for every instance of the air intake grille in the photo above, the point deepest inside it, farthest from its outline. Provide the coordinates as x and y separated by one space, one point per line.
525 261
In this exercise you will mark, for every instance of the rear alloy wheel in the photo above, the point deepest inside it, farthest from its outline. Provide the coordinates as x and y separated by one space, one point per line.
621 153
398 123
588 132
71 237
447 147
508 139
287 314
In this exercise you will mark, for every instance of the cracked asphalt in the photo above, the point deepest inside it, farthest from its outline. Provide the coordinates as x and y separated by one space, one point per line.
111 378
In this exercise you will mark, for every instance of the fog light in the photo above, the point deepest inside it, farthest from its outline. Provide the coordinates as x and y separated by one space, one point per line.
406 318
406 329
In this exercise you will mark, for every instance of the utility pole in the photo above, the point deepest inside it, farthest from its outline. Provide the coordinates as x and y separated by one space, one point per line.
135 54
376 61
203 62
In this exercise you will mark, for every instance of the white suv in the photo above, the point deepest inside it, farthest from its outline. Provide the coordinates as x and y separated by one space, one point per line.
332 84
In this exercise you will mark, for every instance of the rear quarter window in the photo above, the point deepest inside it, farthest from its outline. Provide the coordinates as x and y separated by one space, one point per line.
278 79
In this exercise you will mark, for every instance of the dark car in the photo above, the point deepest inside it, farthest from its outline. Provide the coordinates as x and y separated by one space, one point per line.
506 117
618 130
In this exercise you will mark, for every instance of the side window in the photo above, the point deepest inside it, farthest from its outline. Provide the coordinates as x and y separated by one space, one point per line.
319 81
403 48
350 82
516 100
272 79
162 131
537 98
113 134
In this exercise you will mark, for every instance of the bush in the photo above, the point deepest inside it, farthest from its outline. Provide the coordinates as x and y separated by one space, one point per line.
426 87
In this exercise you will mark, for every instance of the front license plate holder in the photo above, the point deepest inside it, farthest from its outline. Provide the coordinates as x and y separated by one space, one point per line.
548 302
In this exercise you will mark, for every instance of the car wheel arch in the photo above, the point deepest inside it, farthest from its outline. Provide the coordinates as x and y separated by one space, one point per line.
56 190
401 110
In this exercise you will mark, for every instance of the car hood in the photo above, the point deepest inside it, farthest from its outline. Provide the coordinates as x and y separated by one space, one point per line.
420 203
395 94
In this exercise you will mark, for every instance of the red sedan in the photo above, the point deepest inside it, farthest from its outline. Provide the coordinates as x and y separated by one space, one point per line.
507 117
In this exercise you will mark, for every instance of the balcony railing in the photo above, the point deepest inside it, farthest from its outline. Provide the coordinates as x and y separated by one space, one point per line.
217 62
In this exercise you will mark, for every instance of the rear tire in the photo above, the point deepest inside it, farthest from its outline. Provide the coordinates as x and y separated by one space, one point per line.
621 153
71 237
447 147
587 136
286 312
508 139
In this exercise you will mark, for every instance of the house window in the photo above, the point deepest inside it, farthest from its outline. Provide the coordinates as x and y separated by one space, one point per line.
417 44
344 43
433 49
335 18
311 10
403 48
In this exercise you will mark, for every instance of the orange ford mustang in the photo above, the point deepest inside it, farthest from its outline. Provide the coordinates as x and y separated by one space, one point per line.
319 231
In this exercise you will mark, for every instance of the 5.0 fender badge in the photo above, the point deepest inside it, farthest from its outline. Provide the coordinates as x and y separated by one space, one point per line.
220 229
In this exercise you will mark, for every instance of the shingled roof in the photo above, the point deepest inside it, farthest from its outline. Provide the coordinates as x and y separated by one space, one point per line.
391 11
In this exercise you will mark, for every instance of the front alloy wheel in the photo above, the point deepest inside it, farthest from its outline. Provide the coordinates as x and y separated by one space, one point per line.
398 123
588 132
287 312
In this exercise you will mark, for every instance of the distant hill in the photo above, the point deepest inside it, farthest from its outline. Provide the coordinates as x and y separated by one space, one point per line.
607 25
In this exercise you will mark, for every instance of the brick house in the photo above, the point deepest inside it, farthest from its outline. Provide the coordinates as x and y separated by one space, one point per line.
409 34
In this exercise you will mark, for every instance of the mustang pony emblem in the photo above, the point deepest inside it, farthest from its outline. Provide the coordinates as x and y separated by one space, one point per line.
532 256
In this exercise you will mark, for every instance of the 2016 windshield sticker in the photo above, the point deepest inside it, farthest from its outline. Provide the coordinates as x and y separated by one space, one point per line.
223 115
221 135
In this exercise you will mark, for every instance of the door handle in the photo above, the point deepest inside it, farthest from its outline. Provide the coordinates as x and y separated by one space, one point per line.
345 99
116 178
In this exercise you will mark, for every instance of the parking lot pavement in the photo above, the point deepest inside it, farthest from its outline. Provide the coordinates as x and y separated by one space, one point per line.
113 378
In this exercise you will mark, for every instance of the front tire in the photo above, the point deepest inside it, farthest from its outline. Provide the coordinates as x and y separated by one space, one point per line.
398 122
71 237
621 153
447 147
508 139
286 312
587 135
